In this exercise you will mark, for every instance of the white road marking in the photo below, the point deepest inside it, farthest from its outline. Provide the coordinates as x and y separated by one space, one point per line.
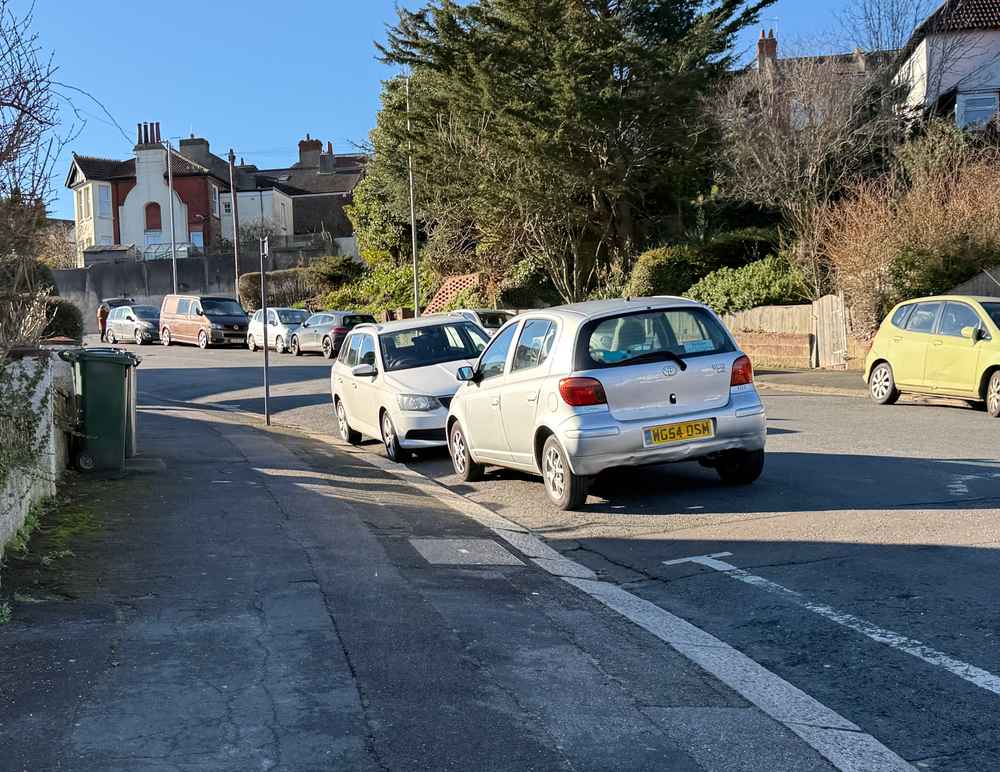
974 675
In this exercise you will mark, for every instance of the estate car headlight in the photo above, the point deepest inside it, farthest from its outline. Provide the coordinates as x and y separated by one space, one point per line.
417 402
217 326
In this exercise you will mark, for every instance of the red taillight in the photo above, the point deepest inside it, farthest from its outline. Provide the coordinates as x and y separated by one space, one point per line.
579 392
340 330
742 372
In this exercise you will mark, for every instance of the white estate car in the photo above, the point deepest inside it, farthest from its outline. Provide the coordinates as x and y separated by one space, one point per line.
394 381
282 323
570 391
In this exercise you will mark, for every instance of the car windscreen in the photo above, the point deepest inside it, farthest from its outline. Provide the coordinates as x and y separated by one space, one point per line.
423 346
650 336
355 319
993 309
493 321
146 312
292 316
221 307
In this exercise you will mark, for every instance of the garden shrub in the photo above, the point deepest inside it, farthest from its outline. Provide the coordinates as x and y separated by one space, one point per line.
771 281
665 271
333 271
65 319
385 284
285 287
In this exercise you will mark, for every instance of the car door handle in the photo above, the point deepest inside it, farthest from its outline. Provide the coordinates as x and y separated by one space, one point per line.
495 401
533 398
897 339
938 342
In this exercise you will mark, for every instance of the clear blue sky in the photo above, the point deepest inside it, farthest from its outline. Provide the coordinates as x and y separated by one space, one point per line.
251 75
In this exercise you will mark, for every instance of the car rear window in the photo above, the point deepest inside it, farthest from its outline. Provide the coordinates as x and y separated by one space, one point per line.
901 315
650 336
493 321
923 318
356 319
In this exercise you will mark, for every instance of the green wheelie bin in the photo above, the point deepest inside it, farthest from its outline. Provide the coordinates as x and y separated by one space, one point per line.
105 390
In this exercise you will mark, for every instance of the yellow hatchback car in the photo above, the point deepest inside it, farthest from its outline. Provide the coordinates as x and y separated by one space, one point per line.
947 345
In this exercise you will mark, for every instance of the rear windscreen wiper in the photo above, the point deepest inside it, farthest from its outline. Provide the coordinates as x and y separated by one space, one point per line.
655 356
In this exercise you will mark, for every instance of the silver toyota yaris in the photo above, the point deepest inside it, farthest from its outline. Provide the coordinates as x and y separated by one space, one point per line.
571 391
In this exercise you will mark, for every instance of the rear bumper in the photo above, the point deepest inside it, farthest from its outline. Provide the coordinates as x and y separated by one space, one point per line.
595 441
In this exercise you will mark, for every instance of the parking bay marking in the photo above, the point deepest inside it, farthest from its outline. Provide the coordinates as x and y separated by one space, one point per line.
974 675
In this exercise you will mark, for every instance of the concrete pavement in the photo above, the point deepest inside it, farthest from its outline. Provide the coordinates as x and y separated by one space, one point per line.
261 600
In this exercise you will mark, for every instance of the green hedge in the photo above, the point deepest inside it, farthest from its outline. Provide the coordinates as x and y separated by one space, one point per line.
65 319
384 285
771 281
284 288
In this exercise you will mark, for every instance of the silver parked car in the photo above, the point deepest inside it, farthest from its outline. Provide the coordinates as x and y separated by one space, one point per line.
394 381
325 331
134 324
571 391
489 319
282 323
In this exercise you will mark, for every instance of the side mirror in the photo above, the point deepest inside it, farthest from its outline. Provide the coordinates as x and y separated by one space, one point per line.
305 324
466 374
129 318
199 312
972 333
364 371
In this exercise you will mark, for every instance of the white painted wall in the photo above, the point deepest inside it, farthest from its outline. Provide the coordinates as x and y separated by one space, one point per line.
255 206
151 186
966 61
94 225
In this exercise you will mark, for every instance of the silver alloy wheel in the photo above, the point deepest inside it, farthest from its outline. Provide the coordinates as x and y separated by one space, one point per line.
138 336
202 339
458 450
279 345
881 382
389 436
327 348
110 335
342 420
993 397
555 473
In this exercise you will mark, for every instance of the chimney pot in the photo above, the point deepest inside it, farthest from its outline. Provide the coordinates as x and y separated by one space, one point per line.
138 134
329 148
145 133
157 125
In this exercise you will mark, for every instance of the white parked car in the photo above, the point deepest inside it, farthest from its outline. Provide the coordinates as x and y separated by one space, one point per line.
394 381
489 319
282 323
571 391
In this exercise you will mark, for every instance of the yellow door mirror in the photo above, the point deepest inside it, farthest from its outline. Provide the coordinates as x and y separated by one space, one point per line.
972 333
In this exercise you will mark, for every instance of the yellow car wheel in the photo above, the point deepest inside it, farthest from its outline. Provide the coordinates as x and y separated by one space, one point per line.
993 395
882 385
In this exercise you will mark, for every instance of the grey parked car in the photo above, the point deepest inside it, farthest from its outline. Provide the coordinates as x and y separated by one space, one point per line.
134 324
571 391
324 332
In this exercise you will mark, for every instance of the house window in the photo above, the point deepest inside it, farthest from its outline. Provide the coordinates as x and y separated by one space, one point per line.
227 207
198 239
215 200
104 201
975 110
83 202
153 222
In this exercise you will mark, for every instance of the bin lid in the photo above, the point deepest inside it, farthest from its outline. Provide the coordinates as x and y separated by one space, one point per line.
101 353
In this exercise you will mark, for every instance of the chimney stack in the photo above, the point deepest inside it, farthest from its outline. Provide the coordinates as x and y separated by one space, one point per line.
767 50
310 151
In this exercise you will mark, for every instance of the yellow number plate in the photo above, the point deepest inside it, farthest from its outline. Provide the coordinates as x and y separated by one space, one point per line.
682 432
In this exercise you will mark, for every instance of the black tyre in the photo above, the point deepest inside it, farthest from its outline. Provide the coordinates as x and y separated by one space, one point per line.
139 337
111 337
327 348
390 439
461 459
165 336
202 339
251 343
279 345
993 395
293 346
85 462
565 489
347 434
740 467
882 385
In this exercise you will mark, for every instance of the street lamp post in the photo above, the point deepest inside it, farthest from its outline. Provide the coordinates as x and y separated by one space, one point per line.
413 209
263 307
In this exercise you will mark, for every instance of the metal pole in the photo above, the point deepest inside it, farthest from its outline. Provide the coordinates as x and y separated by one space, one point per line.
413 210
263 306
236 218
170 193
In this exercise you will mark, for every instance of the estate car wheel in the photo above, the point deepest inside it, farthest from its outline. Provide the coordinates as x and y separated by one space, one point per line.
392 447
279 345
467 469
327 348
993 395
566 490
139 339
740 467
202 339
294 346
111 337
165 336
882 385
251 343
347 434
